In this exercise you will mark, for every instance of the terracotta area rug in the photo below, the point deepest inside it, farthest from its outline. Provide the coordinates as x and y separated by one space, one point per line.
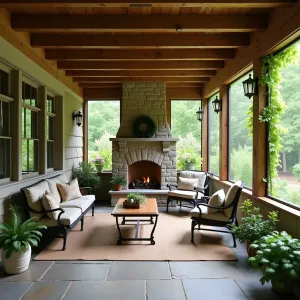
172 237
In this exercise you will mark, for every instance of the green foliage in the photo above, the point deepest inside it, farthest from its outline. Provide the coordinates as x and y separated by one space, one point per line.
278 256
17 236
137 198
271 77
86 176
296 171
118 179
253 226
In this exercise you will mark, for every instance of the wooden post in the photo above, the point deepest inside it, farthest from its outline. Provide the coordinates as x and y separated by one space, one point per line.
204 135
259 169
85 128
42 129
223 171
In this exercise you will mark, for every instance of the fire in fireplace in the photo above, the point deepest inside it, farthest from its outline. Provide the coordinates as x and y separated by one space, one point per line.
145 182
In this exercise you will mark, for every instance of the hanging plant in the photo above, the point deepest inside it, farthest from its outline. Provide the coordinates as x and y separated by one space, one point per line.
271 77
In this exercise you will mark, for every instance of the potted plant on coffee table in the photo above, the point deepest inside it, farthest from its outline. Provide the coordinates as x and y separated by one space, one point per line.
253 226
134 200
278 256
118 181
16 240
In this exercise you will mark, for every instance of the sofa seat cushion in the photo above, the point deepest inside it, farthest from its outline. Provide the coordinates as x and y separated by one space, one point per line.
184 194
70 215
218 216
83 202
62 179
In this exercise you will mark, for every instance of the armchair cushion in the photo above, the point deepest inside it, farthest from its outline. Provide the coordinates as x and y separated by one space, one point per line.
230 198
201 176
69 191
52 182
83 203
217 199
218 216
50 202
67 218
34 196
187 184
185 194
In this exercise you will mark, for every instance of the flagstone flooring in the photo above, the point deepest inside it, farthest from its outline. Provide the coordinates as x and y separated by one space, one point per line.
139 280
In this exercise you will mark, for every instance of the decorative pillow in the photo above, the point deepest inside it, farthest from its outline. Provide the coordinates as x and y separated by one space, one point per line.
69 191
49 202
52 185
201 176
230 198
217 199
34 195
187 184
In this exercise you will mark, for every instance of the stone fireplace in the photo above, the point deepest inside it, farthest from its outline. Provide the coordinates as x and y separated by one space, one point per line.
142 159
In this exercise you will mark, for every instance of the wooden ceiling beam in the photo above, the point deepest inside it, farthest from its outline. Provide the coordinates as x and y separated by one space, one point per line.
118 85
146 3
168 41
139 23
139 79
145 65
145 73
136 55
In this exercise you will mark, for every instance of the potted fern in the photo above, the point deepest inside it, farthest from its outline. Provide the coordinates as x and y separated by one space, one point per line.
16 240
278 256
118 181
253 226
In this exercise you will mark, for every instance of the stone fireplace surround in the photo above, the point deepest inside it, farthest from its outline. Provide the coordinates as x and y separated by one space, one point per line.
141 98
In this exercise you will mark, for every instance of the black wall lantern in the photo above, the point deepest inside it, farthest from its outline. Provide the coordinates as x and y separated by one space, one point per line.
250 87
217 106
200 113
78 116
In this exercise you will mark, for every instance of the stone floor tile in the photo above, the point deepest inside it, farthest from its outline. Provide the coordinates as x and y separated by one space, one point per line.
77 272
165 290
13 290
47 290
203 269
34 273
244 267
212 289
83 262
139 270
255 291
107 290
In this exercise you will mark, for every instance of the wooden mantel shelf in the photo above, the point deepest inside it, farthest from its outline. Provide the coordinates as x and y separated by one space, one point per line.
133 140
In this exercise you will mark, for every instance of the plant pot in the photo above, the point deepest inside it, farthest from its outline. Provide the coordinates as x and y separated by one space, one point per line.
99 168
17 263
190 166
118 187
251 251
285 287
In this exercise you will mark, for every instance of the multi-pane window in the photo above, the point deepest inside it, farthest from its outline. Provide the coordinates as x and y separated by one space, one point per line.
240 139
187 128
30 138
50 131
213 137
103 124
4 126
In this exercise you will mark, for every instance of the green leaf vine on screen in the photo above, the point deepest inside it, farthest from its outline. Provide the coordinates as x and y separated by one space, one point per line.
271 77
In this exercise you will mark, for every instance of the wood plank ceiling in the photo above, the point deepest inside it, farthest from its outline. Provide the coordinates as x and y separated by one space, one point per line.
102 44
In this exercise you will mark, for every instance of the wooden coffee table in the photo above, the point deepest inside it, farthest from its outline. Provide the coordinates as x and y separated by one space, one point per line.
148 211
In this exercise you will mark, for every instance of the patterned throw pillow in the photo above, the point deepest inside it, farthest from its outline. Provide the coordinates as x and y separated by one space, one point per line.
69 191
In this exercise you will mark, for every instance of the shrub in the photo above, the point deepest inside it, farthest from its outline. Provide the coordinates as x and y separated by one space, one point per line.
296 171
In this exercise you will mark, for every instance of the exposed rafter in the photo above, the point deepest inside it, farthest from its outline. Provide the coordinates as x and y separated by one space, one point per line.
146 79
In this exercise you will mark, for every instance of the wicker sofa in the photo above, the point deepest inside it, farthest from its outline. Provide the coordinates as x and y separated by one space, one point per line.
70 212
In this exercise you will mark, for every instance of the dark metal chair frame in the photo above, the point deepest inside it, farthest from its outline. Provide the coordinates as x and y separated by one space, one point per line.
233 219
179 200
59 231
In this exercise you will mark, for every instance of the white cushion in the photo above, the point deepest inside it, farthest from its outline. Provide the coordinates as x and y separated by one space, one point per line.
70 215
185 194
34 196
49 202
230 197
69 191
217 199
83 202
192 174
52 185
218 216
187 184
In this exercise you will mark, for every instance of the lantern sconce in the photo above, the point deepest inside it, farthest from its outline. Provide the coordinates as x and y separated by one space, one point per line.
78 117
217 105
200 114
250 87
